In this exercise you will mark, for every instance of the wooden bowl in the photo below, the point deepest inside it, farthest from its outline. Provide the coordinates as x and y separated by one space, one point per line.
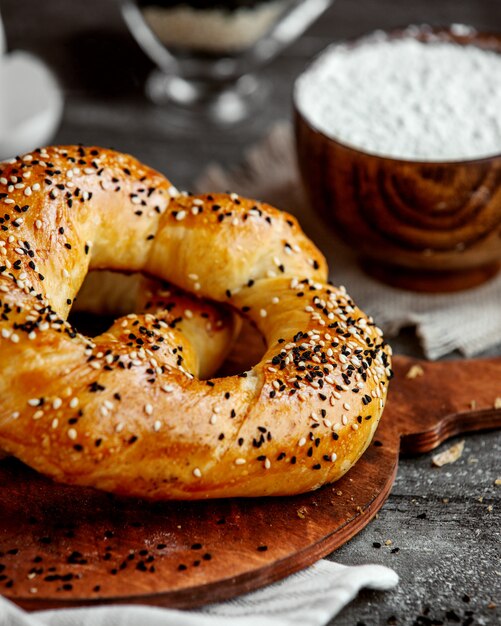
427 226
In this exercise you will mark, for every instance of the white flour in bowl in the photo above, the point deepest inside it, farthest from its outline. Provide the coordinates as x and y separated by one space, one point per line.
436 101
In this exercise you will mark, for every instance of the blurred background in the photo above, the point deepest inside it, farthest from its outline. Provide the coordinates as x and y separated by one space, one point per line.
102 72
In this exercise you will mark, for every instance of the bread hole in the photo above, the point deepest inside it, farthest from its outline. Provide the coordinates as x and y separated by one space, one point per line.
102 298
247 350
106 295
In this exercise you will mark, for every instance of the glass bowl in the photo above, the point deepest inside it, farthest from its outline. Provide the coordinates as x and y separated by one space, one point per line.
207 52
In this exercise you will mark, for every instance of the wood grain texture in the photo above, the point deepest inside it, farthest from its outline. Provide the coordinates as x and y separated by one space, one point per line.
66 546
428 226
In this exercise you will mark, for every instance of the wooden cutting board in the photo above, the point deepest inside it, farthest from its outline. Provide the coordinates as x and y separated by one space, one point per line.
68 546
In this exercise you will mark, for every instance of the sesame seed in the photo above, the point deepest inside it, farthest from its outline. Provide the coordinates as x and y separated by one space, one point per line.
74 403
240 461
34 402
72 433
197 472
157 425
301 442
180 215
55 423
56 403
148 409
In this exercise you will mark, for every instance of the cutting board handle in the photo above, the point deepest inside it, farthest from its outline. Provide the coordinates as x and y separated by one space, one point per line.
432 401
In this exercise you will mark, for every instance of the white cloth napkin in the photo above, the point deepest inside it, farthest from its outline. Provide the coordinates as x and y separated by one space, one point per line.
310 598
468 321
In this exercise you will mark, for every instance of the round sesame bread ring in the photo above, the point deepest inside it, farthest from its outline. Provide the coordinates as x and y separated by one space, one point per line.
100 412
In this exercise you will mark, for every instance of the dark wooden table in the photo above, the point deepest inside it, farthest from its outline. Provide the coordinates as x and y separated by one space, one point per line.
445 523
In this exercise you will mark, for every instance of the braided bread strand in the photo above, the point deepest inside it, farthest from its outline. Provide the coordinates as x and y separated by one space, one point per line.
296 420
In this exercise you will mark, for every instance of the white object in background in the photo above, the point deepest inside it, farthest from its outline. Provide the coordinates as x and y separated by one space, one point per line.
31 102
310 598
406 99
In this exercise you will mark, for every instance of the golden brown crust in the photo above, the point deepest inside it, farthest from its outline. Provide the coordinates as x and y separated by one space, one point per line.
93 412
